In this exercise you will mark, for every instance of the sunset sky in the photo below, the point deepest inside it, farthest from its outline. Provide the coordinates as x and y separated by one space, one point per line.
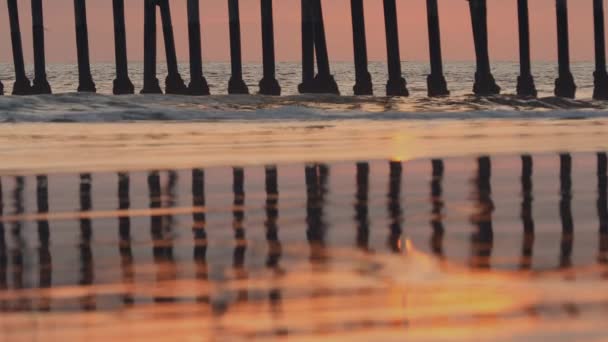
455 22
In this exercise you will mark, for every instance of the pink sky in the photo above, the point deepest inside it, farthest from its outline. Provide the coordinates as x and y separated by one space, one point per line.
455 22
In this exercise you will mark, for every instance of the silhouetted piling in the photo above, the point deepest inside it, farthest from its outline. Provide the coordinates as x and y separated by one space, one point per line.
362 206
525 81
484 81
483 237
269 84
308 48
324 82
436 84
363 84
526 211
22 84
394 206
437 211
151 85
40 84
198 84
122 83
564 84
600 89
85 79
174 84
565 210
396 85
236 85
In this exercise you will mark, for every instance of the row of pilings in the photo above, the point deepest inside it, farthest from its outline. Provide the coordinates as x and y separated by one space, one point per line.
314 51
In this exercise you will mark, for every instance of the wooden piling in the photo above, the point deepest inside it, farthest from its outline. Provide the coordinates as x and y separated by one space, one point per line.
151 85
564 84
85 79
236 85
396 85
484 80
324 81
600 89
40 84
363 79
198 84
174 84
122 83
22 84
436 83
269 84
525 80
308 48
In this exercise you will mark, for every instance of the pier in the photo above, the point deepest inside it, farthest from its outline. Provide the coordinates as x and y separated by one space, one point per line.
317 77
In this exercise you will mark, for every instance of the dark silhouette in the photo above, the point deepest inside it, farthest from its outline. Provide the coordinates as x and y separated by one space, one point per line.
87 268
361 206
324 82
22 84
308 48
236 85
525 81
45 261
238 213
198 84
124 235
173 83
436 84
395 211
396 85
564 84
199 217
437 211
85 80
269 84
483 238
526 211
363 85
151 85
484 81
40 84
17 257
602 206
122 83
600 89
316 180
565 210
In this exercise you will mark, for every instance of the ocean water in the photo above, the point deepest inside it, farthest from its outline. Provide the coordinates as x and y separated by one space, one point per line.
229 218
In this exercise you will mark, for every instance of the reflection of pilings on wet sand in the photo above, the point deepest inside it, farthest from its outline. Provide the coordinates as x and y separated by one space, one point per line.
124 232
3 256
565 211
238 212
87 274
45 262
272 216
362 206
199 230
17 257
602 206
394 206
437 211
526 211
315 178
483 239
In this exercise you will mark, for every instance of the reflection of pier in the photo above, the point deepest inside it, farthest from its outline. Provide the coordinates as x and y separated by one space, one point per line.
314 46
245 253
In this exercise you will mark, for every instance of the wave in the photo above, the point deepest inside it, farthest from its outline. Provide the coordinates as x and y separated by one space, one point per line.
72 107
